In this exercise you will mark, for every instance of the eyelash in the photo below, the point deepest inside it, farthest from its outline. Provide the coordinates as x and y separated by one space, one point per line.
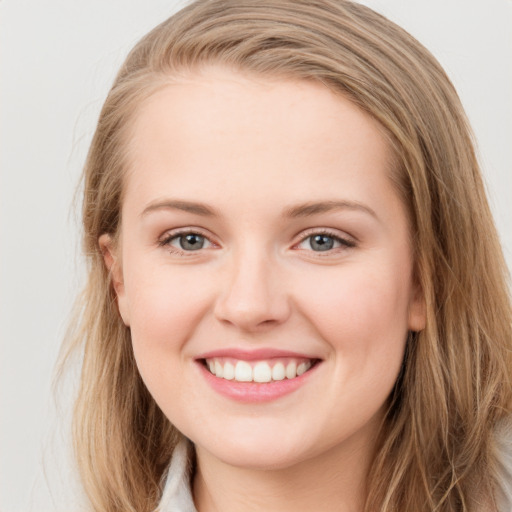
345 243
166 241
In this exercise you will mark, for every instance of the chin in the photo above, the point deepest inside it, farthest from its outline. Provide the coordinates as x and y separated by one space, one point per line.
261 459
258 451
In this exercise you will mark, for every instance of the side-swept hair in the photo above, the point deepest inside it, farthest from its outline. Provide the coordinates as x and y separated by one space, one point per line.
436 451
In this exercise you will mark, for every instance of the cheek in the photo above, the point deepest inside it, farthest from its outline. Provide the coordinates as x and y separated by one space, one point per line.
358 308
167 305
165 308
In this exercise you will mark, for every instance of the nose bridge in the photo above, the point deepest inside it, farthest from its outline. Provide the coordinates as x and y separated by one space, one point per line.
252 295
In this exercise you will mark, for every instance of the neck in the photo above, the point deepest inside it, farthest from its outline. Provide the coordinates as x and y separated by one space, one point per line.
334 481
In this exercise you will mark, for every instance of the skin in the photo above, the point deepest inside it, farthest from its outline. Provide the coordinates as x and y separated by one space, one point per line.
253 149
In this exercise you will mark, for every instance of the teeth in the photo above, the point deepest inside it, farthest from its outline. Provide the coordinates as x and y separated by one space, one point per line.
262 372
300 369
229 371
219 369
278 372
243 372
291 370
259 371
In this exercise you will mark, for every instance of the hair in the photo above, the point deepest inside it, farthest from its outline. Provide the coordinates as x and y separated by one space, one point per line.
437 449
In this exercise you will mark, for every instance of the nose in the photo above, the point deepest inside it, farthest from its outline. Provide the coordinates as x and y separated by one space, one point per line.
252 296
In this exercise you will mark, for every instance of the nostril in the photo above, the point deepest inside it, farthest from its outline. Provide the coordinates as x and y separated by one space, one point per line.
252 314
252 298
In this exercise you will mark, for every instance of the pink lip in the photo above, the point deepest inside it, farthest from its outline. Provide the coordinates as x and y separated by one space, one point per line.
253 392
253 355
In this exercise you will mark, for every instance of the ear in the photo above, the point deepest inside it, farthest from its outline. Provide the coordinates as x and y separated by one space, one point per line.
417 309
113 263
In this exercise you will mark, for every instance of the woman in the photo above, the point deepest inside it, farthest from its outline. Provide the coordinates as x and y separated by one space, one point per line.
292 265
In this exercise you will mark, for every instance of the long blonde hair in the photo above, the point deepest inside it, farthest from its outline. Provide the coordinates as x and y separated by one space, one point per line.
455 386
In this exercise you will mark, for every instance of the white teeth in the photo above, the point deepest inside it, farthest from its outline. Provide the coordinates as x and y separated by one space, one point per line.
243 372
291 370
260 371
278 372
219 369
303 368
300 369
229 371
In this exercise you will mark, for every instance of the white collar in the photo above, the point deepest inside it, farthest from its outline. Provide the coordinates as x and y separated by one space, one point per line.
504 448
177 495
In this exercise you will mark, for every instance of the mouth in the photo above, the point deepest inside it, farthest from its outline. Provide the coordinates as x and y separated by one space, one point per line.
256 376
260 371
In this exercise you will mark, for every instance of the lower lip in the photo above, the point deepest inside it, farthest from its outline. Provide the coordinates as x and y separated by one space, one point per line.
254 392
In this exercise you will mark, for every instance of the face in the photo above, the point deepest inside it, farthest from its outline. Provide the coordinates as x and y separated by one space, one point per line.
264 267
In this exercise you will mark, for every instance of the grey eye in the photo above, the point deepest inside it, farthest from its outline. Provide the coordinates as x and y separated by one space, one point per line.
191 242
321 242
325 242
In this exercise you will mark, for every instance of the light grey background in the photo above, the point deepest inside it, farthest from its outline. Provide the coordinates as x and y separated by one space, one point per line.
58 59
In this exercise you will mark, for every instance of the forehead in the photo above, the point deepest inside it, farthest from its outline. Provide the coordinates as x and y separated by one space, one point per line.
253 136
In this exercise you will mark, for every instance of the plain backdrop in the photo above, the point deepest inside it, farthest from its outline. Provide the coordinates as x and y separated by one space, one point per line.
58 59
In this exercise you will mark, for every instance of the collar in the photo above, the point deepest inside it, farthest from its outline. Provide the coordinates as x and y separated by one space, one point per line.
177 495
503 441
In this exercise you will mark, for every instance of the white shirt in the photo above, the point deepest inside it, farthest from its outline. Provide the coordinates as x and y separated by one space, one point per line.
177 495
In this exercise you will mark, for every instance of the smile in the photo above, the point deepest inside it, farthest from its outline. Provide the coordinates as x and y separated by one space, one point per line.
258 371
256 376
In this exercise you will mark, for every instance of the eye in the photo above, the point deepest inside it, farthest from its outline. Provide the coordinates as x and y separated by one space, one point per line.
190 242
324 242
185 242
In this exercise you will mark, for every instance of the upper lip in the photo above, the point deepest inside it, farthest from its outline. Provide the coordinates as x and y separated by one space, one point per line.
254 355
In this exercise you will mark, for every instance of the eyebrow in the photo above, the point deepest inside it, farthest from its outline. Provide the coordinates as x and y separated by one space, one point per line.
302 210
186 206
315 208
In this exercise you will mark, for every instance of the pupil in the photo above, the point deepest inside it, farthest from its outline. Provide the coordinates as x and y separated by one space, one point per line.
322 243
191 242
